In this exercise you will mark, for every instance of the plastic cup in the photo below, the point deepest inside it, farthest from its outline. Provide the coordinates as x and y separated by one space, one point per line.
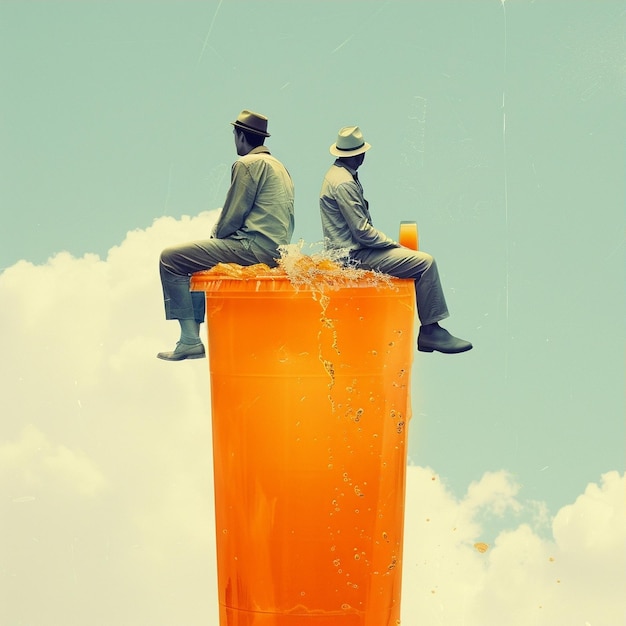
310 409
409 236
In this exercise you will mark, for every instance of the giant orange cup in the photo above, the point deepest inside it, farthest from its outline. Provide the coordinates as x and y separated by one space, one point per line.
310 408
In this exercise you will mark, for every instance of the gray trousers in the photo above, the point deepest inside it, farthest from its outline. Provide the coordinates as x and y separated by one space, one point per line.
177 263
406 263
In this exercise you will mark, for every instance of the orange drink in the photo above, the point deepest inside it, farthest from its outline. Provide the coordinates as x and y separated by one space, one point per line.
409 236
310 409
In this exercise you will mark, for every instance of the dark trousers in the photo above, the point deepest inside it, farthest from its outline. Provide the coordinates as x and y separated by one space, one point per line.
177 263
406 263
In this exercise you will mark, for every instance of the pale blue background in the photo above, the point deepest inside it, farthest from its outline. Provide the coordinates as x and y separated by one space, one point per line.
498 127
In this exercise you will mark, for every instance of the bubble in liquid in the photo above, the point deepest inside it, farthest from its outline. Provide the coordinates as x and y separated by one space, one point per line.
336 562
329 367
326 322
346 607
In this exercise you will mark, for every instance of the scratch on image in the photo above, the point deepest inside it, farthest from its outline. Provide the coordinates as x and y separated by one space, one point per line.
415 138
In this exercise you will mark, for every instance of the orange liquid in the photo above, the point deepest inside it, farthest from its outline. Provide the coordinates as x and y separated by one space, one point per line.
409 236
310 408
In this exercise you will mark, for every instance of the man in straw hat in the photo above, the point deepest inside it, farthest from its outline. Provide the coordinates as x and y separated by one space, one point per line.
347 224
257 217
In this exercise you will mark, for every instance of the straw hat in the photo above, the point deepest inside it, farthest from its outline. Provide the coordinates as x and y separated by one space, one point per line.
252 123
349 142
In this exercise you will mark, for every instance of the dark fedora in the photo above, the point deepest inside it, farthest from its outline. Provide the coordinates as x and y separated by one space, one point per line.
252 123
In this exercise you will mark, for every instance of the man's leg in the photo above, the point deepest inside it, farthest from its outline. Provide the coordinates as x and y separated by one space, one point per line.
176 265
431 302
421 267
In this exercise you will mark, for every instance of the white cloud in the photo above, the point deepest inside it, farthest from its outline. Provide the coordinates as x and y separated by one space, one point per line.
40 465
106 503
575 576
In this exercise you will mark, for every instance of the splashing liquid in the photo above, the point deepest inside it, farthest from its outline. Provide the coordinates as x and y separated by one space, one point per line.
309 499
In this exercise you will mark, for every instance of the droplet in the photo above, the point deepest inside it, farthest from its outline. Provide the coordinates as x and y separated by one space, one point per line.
481 547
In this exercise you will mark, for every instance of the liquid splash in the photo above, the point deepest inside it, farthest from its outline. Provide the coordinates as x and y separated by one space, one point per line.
319 271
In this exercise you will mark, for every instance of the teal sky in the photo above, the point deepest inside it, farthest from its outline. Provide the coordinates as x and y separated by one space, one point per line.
498 127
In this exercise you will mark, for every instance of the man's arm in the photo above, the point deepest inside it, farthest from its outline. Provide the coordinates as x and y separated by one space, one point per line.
354 210
239 201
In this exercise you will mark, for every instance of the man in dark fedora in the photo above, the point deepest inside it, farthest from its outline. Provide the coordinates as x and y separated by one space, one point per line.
257 217
347 224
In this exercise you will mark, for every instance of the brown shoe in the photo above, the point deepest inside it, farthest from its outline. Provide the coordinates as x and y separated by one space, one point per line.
441 340
183 351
